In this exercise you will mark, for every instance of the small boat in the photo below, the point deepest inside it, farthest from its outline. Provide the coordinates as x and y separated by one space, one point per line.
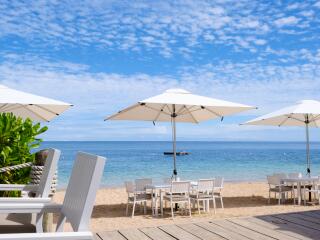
178 153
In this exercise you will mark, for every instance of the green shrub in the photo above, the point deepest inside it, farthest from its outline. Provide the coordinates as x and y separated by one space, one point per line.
18 137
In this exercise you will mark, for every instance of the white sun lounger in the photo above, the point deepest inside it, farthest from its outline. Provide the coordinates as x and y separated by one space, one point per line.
76 208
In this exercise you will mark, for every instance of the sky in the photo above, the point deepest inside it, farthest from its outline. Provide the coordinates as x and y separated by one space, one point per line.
103 56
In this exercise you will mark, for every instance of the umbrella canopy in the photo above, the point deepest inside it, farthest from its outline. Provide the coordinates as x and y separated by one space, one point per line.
31 106
305 113
178 105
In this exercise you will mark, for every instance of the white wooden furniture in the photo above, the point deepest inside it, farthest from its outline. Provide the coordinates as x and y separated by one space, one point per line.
276 185
218 187
204 191
136 196
179 193
301 184
157 191
42 190
314 189
77 205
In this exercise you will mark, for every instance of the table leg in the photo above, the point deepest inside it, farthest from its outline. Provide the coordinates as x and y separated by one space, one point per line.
299 193
156 203
161 202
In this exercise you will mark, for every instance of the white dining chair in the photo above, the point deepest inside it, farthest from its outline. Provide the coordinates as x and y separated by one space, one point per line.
277 187
218 187
179 193
204 191
135 197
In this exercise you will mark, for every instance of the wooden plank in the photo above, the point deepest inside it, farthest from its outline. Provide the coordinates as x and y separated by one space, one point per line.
299 221
306 218
290 227
311 214
241 230
263 230
156 234
178 233
221 231
283 228
200 232
112 235
133 234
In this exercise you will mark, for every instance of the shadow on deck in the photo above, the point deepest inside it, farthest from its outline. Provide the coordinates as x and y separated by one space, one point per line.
288 226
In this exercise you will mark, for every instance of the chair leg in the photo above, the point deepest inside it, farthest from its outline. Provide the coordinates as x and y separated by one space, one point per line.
221 201
189 204
145 208
280 197
198 204
171 205
269 198
134 206
214 204
127 208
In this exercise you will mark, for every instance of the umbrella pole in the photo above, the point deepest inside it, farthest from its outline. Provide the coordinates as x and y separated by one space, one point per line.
308 149
175 173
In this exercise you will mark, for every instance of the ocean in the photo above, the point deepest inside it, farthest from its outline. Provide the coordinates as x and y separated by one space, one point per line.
235 161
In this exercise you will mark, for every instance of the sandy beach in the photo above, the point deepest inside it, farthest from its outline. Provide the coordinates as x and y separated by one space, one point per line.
240 199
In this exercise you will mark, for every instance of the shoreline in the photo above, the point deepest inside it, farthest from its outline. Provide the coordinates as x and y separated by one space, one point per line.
241 199
122 186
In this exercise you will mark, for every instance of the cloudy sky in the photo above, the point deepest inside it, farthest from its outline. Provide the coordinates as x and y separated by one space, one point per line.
105 55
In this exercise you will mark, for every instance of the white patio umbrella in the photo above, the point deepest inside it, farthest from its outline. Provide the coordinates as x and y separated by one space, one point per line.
178 105
305 113
31 106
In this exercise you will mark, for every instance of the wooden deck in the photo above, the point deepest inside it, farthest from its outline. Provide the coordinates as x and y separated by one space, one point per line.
289 226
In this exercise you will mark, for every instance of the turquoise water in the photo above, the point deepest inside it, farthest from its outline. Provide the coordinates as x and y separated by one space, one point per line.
236 161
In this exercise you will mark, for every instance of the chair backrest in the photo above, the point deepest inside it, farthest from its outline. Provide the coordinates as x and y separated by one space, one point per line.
82 189
281 175
129 186
206 185
180 187
273 180
295 175
167 180
49 170
142 183
218 182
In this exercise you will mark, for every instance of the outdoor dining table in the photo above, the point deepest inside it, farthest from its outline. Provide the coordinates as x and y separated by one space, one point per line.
300 181
157 190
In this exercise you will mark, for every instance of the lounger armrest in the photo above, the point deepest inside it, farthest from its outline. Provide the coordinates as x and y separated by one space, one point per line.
18 187
17 200
29 207
48 236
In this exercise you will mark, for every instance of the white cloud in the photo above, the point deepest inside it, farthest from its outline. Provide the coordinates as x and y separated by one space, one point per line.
143 25
96 95
286 21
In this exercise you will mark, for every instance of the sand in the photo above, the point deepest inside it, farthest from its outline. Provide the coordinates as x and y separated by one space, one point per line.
240 199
